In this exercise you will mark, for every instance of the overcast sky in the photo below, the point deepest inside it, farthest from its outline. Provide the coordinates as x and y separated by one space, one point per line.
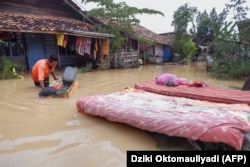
160 24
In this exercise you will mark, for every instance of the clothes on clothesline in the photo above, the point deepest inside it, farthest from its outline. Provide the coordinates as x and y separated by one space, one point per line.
83 45
62 40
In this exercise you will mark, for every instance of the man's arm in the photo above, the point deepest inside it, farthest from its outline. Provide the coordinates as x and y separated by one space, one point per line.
42 85
53 75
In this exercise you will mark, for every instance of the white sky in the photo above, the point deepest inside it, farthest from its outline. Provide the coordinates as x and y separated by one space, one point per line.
160 24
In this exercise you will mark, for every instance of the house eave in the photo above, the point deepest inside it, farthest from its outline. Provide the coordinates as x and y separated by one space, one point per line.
88 34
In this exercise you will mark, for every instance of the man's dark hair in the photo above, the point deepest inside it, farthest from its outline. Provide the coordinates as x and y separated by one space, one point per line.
53 57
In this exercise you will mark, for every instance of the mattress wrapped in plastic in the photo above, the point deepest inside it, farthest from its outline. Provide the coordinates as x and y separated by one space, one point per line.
208 93
173 116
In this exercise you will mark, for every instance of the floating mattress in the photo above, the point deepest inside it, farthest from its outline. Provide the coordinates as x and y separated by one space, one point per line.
219 95
173 116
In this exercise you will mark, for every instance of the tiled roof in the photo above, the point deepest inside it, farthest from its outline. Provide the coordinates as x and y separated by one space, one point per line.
150 35
23 22
145 33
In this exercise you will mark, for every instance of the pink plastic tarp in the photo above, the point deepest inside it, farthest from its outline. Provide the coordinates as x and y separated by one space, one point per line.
173 116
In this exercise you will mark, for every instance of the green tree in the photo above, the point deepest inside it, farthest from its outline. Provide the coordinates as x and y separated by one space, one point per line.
207 25
231 57
238 8
240 11
202 31
118 19
181 19
9 69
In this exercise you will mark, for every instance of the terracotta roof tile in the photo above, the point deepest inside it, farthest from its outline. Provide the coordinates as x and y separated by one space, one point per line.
150 35
30 22
145 33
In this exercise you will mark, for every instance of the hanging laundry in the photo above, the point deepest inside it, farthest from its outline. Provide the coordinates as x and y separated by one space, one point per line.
79 46
60 38
65 41
96 44
3 36
77 41
87 46
94 55
85 42
88 54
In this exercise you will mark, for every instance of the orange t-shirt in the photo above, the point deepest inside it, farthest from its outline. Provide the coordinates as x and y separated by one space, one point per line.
41 71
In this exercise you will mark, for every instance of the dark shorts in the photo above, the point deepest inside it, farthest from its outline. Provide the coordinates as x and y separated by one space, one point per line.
45 82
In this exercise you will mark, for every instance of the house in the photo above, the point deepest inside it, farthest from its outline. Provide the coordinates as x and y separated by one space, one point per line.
140 44
135 49
34 29
161 44
168 53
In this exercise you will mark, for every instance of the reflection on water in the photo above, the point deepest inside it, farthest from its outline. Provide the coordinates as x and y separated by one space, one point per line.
50 132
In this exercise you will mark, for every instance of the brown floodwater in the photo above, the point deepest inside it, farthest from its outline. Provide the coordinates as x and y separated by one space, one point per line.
37 132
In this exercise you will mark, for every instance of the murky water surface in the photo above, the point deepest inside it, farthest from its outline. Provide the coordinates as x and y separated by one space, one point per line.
49 132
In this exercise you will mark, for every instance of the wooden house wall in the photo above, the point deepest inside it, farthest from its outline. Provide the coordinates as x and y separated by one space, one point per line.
42 7
105 47
19 60
49 45
48 42
155 54
56 8
150 51
158 49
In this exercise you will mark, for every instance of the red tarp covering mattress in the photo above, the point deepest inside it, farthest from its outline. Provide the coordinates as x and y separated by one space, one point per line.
201 93
173 116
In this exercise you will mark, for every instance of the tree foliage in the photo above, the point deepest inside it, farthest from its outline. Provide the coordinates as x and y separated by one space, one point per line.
238 8
240 11
181 43
207 24
231 58
9 69
118 18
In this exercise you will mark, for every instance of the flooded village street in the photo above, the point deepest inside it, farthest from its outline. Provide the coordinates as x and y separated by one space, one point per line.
37 132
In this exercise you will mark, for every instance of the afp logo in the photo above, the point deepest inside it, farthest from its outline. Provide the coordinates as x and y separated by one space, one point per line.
234 159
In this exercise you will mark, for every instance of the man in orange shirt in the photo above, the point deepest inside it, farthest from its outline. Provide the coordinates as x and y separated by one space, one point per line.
42 69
